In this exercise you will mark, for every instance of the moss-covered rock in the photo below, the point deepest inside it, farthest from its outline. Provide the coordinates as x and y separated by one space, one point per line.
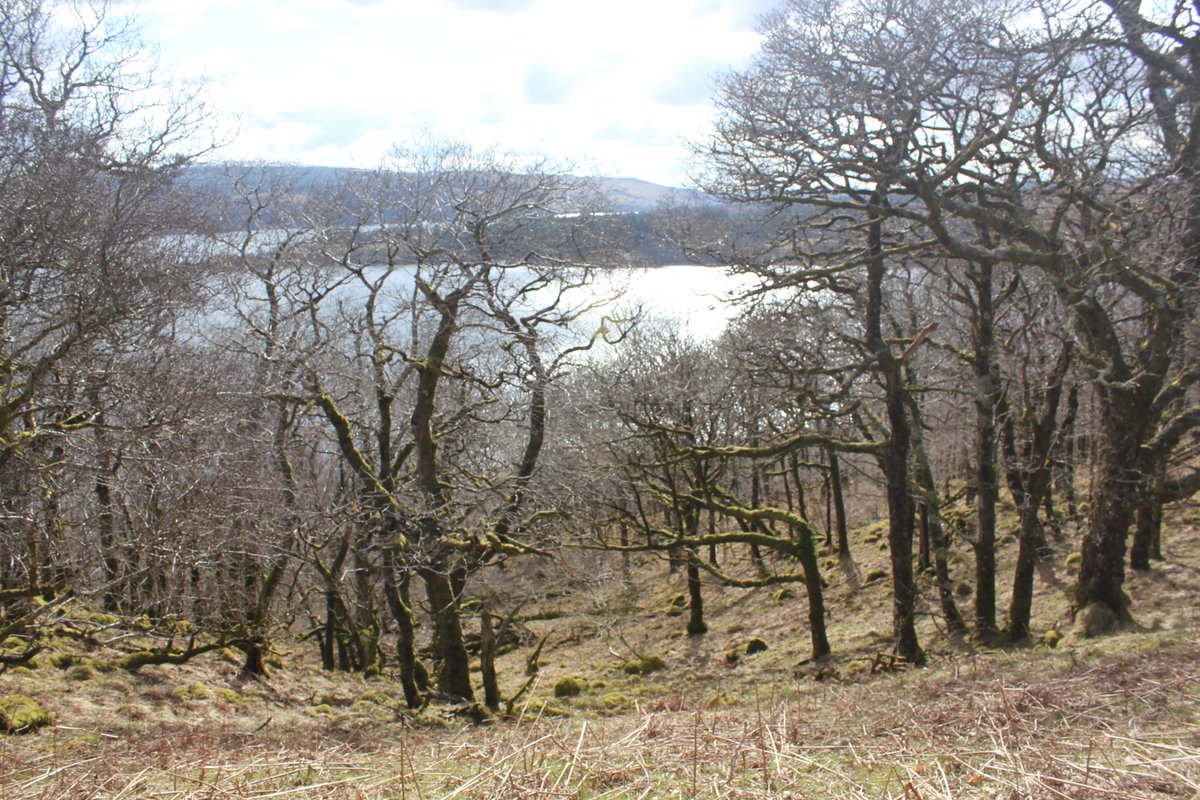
614 703
21 714
230 696
644 666
568 687
874 576
191 691
82 672
755 645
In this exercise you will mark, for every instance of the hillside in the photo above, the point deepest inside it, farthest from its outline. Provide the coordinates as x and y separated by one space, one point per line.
1067 717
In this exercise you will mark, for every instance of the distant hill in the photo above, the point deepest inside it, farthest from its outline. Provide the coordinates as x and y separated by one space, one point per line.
625 195
632 194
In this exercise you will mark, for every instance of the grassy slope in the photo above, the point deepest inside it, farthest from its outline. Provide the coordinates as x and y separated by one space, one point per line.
1115 717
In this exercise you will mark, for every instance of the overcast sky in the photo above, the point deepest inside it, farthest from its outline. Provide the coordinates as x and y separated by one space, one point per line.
615 86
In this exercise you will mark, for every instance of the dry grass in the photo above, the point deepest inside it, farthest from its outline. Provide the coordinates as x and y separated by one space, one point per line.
1122 728
1110 718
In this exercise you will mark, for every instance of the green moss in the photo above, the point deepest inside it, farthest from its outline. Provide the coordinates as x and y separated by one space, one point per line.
1073 560
230 696
65 660
784 594
874 576
1051 638
81 672
131 711
644 666
191 691
97 617
755 645
378 697
613 703
857 668
321 710
567 687
679 601
21 714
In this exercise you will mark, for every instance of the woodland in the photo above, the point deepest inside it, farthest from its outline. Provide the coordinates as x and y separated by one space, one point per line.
376 423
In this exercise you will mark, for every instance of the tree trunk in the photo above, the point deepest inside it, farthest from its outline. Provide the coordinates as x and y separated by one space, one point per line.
894 454
813 583
1029 541
487 660
986 477
938 540
397 592
1147 532
839 505
452 673
1115 498
257 642
696 624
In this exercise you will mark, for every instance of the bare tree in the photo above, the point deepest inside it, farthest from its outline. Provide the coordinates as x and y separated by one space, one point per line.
91 248
1061 145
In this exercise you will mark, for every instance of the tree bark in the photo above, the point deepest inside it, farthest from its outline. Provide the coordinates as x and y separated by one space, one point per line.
839 506
894 455
452 672
986 478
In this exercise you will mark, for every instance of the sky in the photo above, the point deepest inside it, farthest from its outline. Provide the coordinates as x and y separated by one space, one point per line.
615 88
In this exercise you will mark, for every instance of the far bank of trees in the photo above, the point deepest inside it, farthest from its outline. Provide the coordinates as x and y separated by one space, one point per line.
972 234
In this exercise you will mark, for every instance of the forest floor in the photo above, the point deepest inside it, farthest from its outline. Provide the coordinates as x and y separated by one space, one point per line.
1064 717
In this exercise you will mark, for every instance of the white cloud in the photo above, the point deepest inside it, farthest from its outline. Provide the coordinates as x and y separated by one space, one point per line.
619 84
